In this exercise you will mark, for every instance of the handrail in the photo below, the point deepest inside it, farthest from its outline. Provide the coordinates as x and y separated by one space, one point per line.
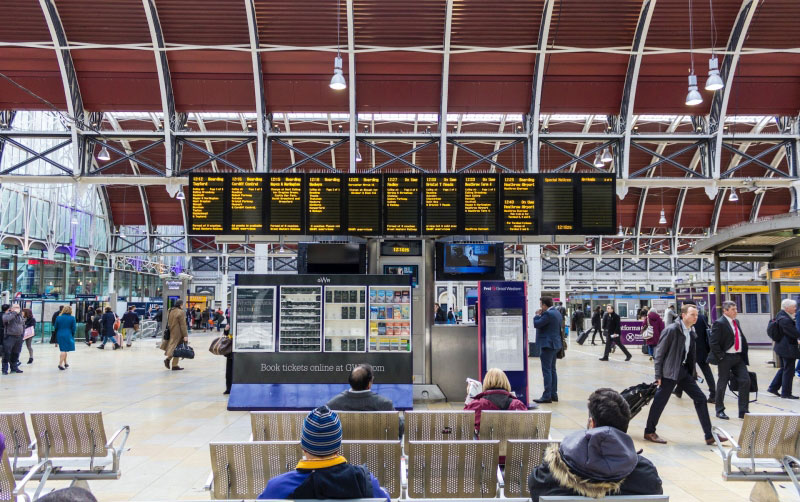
19 488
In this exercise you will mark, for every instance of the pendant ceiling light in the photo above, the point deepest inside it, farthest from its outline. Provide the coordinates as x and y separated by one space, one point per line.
606 157
693 97
338 82
180 195
621 233
663 219
358 154
598 160
122 234
103 155
714 81
733 197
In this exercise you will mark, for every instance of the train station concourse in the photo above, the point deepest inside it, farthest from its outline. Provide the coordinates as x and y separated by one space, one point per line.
535 250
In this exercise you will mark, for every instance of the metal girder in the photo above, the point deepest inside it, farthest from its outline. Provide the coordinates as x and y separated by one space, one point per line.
312 157
756 159
759 199
587 125
37 156
631 81
258 84
581 158
164 84
484 158
219 157
126 154
209 146
536 91
719 105
398 158
700 157
351 84
668 159
455 148
448 23
40 156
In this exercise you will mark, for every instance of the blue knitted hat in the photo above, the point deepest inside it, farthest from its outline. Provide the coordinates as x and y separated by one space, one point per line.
322 432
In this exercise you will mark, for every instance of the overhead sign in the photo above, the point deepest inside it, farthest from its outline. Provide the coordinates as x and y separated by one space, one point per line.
785 273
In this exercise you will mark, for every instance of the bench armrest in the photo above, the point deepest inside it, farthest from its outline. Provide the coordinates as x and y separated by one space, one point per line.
117 452
209 482
19 488
788 460
726 455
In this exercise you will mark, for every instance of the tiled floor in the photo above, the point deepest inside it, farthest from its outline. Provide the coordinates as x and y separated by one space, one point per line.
174 415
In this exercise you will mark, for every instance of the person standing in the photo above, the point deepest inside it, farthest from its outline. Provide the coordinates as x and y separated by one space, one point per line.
29 333
787 349
597 321
64 327
547 322
669 315
675 367
702 329
652 319
13 329
53 323
178 332
729 352
107 322
205 317
159 318
439 317
130 325
228 363
576 326
612 325
218 318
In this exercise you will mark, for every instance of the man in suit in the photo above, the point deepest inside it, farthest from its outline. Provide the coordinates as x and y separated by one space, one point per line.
787 349
675 367
703 349
613 328
729 352
547 322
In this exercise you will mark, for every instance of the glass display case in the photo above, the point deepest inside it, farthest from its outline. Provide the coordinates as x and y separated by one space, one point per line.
390 319
300 319
254 319
345 318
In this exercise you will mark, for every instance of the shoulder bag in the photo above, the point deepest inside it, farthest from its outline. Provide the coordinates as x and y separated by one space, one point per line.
647 332
184 351
221 346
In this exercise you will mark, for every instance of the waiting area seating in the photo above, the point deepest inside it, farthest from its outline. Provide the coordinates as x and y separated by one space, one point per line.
75 443
767 451
616 498
439 426
13 490
505 425
522 456
356 425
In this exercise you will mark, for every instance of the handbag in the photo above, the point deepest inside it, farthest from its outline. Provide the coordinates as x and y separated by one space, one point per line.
647 332
184 351
562 352
166 333
221 346
29 333
753 386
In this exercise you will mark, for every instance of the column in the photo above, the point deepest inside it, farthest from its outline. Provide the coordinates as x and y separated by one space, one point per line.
262 259
223 268
533 262
112 293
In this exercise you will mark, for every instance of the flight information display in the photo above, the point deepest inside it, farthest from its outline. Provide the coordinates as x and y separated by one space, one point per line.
440 212
286 204
324 199
479 207
401 204
247 203
598 203
558 204
207 203
518 204
410 204
363 204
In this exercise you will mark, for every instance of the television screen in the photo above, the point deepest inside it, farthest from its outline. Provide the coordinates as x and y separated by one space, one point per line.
316 258
471 261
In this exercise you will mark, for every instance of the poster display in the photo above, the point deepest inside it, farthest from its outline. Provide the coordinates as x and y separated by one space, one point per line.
504 341
254 319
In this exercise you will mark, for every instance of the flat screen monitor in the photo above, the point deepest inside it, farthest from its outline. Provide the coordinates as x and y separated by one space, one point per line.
469 261
319 258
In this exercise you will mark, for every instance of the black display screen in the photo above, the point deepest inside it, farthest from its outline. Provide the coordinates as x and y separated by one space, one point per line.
479 203
324 199
247 203
363 204
598 204
557 209
286 204
207 203
518 204
440 214
401 204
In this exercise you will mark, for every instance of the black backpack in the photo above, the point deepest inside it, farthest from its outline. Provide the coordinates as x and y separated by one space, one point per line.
774 331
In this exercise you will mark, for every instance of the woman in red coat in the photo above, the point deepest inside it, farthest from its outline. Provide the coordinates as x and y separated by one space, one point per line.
654 320
496 395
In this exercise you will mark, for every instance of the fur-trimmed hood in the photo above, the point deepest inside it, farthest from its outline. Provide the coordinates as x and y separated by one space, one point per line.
593 463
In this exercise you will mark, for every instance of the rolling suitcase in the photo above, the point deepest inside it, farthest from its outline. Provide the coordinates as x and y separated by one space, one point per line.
582 338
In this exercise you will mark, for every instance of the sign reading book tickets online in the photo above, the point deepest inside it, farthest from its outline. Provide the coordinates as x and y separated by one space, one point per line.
402 204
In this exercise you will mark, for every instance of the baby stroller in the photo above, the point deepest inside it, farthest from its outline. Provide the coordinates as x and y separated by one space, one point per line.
639 396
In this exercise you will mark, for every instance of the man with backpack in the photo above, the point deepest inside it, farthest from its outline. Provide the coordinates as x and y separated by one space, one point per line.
783 331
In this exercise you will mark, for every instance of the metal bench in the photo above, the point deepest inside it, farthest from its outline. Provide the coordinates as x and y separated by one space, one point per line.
76 443
523 456
19 446
382 458
277 425
505 425
613 498
11 490
452 469
363 425
439 426
767 451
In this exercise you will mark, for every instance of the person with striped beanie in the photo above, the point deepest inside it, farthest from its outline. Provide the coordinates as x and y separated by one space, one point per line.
323 473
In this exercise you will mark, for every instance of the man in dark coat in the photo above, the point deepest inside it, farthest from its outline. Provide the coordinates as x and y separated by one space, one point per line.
675 367
702 329
729 352
612 326
787 349
577 321
107 322
599 461
547 322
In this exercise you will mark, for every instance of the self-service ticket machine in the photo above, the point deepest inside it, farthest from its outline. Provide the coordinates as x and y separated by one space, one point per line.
174 290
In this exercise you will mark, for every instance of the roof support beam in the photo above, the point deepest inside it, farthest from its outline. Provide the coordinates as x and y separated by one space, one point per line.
448 23
631 80
202 126
536 93
258 84
351 85
719 105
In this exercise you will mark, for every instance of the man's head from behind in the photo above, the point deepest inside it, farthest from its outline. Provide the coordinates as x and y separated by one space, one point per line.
361 377
608 408
71 494
322 433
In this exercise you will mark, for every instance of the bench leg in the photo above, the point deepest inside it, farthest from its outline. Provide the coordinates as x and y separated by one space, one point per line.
80 483
764 491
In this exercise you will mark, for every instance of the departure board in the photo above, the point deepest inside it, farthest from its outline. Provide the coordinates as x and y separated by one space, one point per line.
324 199
518 204
598 204
401 203
207 199
440 212
479 203
247 203
557 209
286 204
363 204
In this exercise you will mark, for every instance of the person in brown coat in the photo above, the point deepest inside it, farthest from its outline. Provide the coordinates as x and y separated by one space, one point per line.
176 321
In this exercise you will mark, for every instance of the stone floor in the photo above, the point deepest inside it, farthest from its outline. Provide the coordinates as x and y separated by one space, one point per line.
173 416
